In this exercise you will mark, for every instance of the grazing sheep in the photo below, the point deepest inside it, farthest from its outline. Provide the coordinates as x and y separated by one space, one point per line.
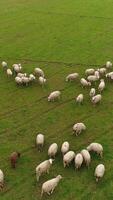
101 85
18 80
86 156
49 186
25 80
39 72
78 160
40 141
1 179
90 71
78 128
9 72
21 75
96 147
92 92
52 151
97 74
72 77
92 78
17 68
102 71
43 167
4 65
108 64
32 77
54 95
96 99
41 80
13 158
109 75
84 82
80 98
99 172
65 148
68 158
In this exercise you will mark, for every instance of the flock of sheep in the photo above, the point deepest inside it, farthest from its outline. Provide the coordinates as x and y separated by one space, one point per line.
91 77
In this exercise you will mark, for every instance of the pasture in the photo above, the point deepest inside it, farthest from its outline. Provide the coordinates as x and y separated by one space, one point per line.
61 37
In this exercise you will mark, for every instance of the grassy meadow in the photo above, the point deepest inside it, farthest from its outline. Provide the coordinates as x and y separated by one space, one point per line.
61 37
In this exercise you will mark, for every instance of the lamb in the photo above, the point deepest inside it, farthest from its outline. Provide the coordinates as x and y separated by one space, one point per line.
39 72
52 151
43 167
84 82
72 77
68 158
90 71
80 98
49 186
54 95
1 179
78 128
101 85
96 147
14 158
65 148
9 72
78 160
109 64
18 80
86 157
40 141
4 65
92 92
96 99
99 172
41 80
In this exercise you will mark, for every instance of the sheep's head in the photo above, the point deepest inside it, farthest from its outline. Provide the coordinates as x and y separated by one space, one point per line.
51 160
59 177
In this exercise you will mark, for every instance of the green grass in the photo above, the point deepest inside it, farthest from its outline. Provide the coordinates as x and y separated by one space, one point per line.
61 37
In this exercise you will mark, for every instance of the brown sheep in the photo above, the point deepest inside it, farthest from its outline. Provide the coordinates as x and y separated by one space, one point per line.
13 158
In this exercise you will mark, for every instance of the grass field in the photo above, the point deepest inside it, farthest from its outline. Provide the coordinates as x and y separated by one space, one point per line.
61 37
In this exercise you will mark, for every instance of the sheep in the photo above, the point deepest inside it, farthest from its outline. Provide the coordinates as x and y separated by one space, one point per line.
93 78
86 157
21 75
84 82
68 158
78 128
109 75
92 92
54 95
17 68
65 148
25 80
18 80
90 71
96 99
43 167
49 186
32 77
109 64
52 151
101 85
96 147
1 179
13 158
78 160
40 141
102 71
72 77
97 74
79 98
99 172
4 65
9 72
39 72
41 80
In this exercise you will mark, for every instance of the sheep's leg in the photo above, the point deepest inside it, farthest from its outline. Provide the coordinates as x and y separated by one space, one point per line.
48 193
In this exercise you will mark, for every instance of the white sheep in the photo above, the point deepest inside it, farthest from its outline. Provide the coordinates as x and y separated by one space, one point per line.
96 147
25 80
109 64
109 75
21 75
90 71
101 85
17 68
84 82
39 72
86 156
43 167
92 92
65 148
78 160
102 71
49 186
72 77
99 172
1 179
80 98
92 78
54 95
97 74
52 151
78 128
4 65
9 72
96 99
68 158
18 80
42 80
40 141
